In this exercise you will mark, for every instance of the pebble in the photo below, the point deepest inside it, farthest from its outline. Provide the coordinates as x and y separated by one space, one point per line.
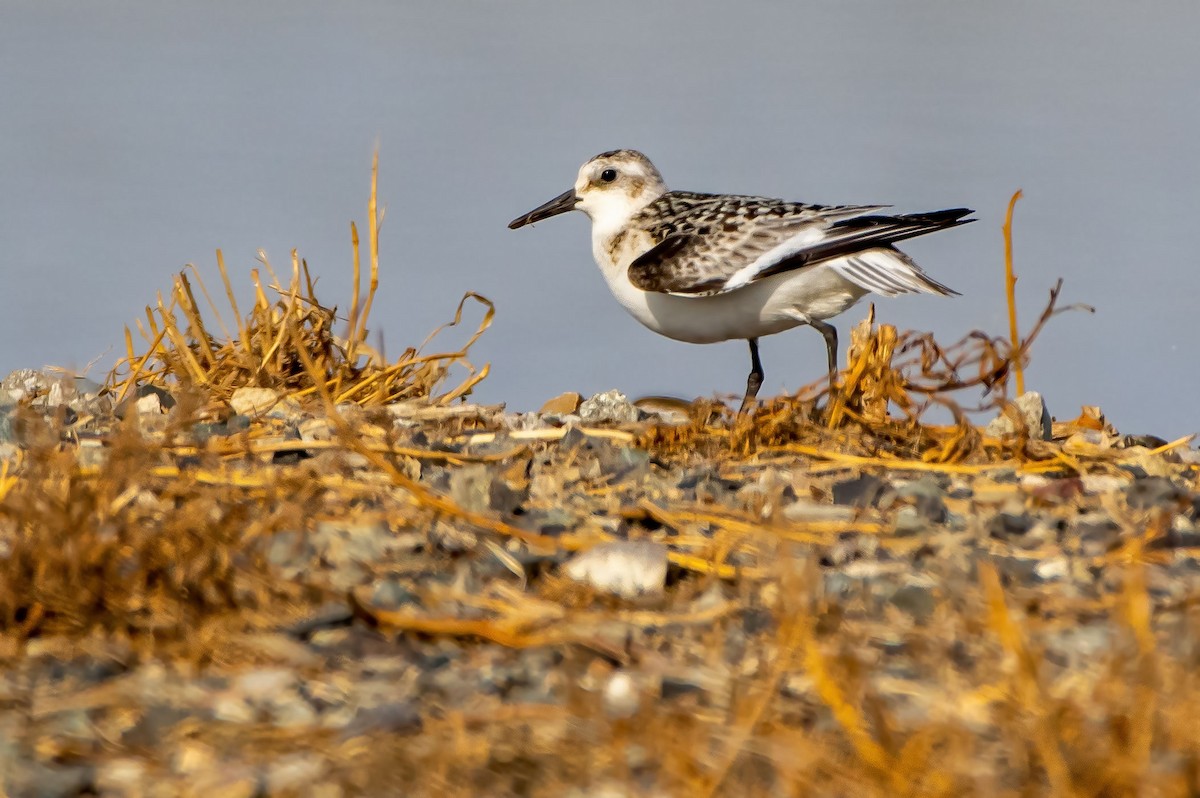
264 403
609 407
149 405
294 772
621 699
562 404
1052 569
863 491
1031 409
328 678
811 512
625 568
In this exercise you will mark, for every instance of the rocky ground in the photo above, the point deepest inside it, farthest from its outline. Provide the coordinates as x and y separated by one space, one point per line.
598 600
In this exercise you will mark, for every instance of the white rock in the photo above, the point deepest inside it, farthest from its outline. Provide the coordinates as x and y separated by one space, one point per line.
1102 483
149 404
263 402
624 568
1052 569
253 401
608 406
1032 410
316 429
621 699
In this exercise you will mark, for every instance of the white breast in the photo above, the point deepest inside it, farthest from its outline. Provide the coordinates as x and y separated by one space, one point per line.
761 308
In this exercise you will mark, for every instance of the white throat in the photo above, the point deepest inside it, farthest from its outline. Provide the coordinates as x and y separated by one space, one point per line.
611 212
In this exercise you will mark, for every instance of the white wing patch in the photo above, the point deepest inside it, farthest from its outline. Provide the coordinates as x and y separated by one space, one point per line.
888 272
807 237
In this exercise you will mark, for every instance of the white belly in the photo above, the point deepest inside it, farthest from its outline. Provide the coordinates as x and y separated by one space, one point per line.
762 308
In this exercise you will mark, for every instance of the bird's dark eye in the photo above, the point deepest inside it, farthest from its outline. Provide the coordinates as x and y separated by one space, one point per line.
608 175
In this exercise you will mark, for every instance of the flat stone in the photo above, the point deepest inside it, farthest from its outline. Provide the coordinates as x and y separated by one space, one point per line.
399 717
863 491
1008 524
916 601
563 404
810 512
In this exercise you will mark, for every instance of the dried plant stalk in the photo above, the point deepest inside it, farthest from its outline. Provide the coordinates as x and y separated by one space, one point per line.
182 351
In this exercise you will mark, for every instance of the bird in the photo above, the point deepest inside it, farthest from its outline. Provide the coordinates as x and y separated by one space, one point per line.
703 268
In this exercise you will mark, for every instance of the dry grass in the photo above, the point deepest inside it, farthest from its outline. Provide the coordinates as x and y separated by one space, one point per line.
268 346
161 545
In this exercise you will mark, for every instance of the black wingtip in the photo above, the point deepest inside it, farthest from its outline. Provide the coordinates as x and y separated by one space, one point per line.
946 217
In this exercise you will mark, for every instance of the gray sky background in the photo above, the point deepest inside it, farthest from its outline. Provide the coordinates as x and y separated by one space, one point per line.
137 137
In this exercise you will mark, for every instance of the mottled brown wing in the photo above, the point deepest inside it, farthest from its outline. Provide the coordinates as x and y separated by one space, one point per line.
711 244
688 264
705 240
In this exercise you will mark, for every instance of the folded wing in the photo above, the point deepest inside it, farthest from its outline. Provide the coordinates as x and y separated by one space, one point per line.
712 253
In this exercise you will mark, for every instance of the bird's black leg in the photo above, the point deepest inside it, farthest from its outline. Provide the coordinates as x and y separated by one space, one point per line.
829 332
754 381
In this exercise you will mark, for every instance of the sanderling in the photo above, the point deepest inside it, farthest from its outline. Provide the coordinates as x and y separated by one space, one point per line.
703 268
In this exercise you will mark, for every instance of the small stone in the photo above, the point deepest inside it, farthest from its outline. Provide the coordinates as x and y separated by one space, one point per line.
263 683
610 406
1007 524
294 772
1102 483
916 601
192 756
624 568
232 709
471 485
1020 569
8 435
757 620
563 404
149 404
341 543
1031 409
810 512
391 594
666 409
1052 569
862 491
391 718
1151 492
621 699
910 521
316 429
927 497
227 781
1097 535
263 403
91 453
124 776
156 722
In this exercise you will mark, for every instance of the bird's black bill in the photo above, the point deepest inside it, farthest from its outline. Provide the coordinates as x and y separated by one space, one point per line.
564 202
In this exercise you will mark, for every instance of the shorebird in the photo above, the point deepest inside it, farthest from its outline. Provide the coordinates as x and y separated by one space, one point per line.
704 268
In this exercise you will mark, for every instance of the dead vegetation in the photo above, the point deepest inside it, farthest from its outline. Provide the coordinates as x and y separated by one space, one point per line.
164 544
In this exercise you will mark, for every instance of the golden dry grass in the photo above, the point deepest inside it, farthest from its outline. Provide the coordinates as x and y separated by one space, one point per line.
161 545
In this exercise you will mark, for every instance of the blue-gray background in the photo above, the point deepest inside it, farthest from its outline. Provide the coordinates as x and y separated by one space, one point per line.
137 137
